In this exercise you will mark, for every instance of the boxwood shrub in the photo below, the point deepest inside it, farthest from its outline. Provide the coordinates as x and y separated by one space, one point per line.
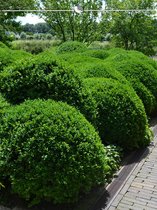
86 66
8 56
135 69
45 77
118 54
71 46
145 95
2 45
99 53
121 115
48 150
3 103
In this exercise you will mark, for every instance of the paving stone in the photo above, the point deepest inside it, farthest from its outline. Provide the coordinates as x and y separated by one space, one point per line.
140 190
124 206
152 206
111 208
138 207
127 202
134 200
117 200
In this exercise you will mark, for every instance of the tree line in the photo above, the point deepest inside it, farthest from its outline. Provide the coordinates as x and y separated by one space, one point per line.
127 29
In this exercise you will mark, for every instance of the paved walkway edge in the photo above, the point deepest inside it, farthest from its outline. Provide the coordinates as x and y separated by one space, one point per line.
126 184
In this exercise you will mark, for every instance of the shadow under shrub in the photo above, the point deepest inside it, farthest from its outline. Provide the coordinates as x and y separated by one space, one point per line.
121 116
49 151
46 77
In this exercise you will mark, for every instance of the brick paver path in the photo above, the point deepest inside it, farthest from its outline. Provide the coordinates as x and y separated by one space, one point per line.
139 192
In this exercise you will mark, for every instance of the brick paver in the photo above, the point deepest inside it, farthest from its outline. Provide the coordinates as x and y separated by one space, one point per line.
139 192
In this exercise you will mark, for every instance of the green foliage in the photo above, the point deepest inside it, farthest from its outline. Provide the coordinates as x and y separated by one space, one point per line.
142 57
70 25
71 46
2 45
87 66
97 53
132 30
138 68
121 116
46 77
8 57
3 103
50 151
146 96
99 45
7 19
114 155
34 46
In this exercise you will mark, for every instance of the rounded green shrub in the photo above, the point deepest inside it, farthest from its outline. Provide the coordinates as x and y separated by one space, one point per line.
3 103
71 46
145 95
2 45
99 53
88 67
46 77
133 68
8 57
98 69
49 151
121 116
143 58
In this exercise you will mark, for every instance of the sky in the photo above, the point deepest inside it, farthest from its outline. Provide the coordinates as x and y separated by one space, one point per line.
31 19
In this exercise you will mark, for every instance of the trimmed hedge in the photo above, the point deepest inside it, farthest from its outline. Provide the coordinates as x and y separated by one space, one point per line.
146 96
121 116
45 77
71 46
3 103
99 53
2 45
87 67
134 68
50 151
8 57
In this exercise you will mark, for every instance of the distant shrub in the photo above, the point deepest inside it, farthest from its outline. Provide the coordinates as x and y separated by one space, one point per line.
49 151
99 53
121 116
71 46
45 77
100 45
34 46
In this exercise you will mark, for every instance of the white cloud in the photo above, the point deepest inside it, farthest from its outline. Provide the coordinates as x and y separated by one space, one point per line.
31 19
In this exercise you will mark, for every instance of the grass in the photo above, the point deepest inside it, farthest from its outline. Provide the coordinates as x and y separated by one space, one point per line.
34 46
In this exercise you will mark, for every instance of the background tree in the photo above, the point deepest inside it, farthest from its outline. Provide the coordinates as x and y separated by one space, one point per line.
37 28
7 19
71 26
131 30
